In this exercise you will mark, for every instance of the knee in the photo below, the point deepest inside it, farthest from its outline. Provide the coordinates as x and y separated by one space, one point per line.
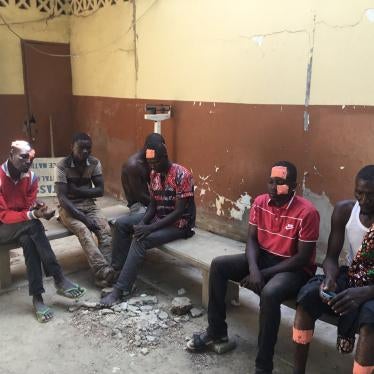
269 296
217 264
122 226
35 225
367 330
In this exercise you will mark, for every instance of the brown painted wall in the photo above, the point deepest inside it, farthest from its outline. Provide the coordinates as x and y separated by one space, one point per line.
230 147
13 112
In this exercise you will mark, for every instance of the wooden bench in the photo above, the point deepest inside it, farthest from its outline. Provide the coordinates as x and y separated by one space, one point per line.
54 230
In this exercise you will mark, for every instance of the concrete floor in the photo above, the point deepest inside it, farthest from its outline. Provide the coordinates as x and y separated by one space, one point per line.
57 347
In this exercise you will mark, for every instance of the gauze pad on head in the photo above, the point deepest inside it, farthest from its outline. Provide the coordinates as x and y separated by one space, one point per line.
22 145
150 153
279 172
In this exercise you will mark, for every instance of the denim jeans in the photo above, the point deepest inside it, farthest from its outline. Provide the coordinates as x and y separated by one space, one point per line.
30 235
99 255
128 253
279 288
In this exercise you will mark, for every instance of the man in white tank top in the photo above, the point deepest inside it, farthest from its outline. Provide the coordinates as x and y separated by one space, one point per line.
331 294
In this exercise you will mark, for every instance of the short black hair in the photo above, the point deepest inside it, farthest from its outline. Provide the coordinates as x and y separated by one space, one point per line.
366 173
80 136
291 170
153 139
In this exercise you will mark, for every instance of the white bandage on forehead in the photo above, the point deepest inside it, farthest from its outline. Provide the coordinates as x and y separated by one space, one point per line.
22 145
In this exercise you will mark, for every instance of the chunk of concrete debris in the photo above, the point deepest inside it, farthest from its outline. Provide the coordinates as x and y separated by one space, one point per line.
142 300
146 308
181 292
181 305
116 308
133 309
163 315
196 312
90 304
144 351
103 312
123 306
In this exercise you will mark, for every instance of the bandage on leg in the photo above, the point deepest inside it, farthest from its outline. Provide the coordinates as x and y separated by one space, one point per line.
359 369
302 336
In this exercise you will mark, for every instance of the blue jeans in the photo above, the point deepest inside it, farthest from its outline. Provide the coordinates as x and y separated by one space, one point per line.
128 253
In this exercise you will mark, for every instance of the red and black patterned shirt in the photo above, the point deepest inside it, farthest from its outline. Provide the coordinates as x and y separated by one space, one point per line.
178 184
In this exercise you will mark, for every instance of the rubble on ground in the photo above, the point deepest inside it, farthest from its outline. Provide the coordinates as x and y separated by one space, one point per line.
181 305
136 325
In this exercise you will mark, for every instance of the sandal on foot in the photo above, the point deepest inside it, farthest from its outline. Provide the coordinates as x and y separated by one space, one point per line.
71 293
203 341
41 315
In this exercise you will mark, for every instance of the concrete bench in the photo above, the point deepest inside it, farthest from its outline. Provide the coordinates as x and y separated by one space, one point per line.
203 247
54 230
200 250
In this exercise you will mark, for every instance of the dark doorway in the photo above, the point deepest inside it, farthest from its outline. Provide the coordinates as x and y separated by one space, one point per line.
48 91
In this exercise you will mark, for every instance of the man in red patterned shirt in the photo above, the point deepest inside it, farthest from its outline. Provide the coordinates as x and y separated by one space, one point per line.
20 215
170 215
279 259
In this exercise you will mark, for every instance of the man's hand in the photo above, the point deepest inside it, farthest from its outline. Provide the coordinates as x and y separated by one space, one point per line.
141 231
43 212
91 224
348 300
329 284
254 281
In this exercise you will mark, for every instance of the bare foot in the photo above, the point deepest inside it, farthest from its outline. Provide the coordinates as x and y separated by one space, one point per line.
43 312
113 298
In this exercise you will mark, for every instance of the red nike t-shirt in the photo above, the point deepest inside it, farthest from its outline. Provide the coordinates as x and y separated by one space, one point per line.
279 229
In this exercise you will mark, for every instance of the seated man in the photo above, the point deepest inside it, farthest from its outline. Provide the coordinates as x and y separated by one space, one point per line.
347 291
79 181
19 222
135 177
278 261
170 215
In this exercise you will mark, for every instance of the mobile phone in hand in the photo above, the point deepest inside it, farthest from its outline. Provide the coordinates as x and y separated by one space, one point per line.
328 295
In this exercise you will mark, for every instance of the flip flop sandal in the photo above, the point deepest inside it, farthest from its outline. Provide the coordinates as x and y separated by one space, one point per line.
69 293
203 341
41 314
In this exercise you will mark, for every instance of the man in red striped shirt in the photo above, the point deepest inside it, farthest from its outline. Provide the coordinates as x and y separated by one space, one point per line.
279 259
20 215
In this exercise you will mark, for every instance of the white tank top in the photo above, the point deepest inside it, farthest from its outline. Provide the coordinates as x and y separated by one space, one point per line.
355 232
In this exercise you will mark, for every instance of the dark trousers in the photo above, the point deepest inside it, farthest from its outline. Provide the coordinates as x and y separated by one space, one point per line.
279 288
30 235
128 253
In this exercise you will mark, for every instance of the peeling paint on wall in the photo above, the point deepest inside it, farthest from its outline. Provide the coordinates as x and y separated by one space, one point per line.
370 15
240 206
220 200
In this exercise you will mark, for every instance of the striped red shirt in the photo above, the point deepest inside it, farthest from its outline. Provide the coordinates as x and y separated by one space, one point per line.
279 229
16 197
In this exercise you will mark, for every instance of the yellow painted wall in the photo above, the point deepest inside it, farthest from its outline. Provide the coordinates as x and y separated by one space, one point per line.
209 50
11 70
245 51
103 49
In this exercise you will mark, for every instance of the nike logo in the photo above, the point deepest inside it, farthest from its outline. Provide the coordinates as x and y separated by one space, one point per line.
289 226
